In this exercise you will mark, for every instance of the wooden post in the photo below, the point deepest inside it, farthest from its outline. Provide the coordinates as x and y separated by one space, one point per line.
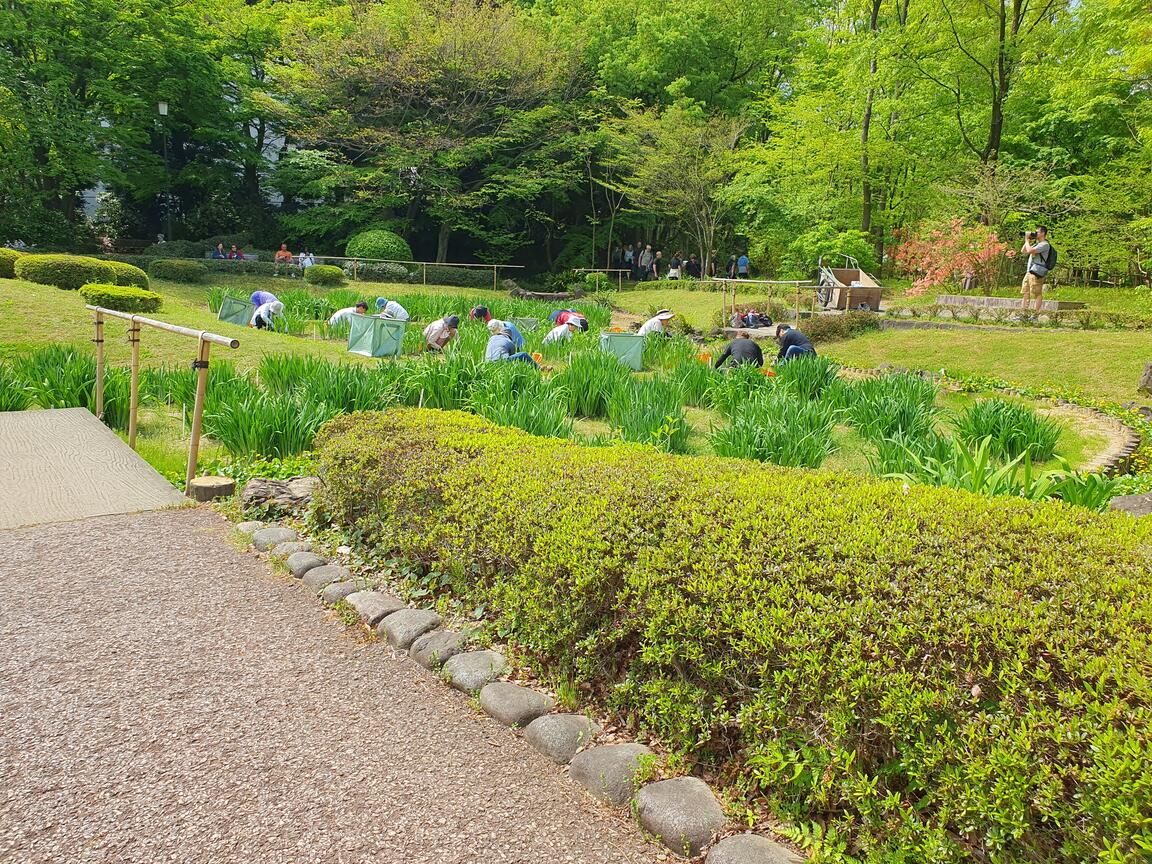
99 366
134 397
424 273
494 285
201 367
797 305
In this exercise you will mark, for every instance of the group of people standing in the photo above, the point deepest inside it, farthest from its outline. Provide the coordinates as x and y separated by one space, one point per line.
645 265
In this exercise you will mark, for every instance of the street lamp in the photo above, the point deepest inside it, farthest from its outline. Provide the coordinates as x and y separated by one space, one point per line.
162 110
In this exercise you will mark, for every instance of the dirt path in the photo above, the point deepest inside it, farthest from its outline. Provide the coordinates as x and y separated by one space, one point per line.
164 697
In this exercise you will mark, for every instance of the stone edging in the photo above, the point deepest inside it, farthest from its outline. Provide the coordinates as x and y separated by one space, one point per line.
682 813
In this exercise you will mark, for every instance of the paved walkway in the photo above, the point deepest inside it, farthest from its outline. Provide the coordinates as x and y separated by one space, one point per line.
164 697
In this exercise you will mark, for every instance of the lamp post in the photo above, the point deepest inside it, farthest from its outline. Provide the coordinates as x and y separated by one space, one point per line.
162 109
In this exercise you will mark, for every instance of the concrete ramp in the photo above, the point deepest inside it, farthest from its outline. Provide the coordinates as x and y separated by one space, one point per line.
63 464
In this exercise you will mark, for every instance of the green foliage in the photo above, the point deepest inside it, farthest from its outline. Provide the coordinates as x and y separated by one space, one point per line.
461 277
8 258
696 380
178 270
379 243
778 428
64 271
827 242
129 275
244 468
323 274
266 424
900 404
386 272
649 411
807 377
831 328
14 393
122 298
1012 429
736 385
930 674
57 376
512 394
588 382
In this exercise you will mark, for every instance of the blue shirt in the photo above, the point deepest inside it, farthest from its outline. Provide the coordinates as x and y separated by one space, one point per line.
259 298
742 264
517 339
500 347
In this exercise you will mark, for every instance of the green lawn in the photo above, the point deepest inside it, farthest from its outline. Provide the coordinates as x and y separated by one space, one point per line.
698 307
1098 364
1134 301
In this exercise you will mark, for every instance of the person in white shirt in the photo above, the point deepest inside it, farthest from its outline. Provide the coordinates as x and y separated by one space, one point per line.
561 332
347 312
440 332
306 260
656 323
262 318
391 309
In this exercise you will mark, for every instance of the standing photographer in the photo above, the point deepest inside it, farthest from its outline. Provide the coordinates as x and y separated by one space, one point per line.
1040 262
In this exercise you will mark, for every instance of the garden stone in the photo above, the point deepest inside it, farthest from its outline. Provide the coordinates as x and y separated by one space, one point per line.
372 606
211 488
402 628
514 705
278 497
433 649
283 550
1145 385
320 577
1134 505
682 813
471 671
337 591
299 563
250 527
265 538
609 772
751 849
559 736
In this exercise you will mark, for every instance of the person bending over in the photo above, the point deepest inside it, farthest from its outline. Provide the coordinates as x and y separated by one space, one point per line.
793 344
501 347
391 309
562 332
481 313
740 350
345 314
440 332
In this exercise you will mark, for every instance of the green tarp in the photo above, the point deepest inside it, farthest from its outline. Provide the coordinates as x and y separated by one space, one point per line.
235 311
628 348
526 325
376 337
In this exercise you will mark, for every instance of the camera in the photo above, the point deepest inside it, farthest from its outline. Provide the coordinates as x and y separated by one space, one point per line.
1031 235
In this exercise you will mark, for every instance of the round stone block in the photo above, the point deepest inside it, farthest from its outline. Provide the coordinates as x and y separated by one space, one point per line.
211 488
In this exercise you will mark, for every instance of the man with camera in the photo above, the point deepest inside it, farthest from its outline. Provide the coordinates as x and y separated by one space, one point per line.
1040 262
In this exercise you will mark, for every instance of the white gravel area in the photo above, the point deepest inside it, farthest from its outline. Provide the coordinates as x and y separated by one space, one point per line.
165 697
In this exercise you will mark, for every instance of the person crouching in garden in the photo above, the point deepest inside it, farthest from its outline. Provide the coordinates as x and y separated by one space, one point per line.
481 313
344 315
793 344
742 349
266 313
500 345
391 309
440 332
563 332
656 323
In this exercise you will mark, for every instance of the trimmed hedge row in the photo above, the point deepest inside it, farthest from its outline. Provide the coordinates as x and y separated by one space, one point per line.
124 298
324 274
178 270
937 676
68 272
8 262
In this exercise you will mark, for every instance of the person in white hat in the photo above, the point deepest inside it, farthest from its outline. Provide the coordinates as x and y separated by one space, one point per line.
263 317
500 345
562 332
656 323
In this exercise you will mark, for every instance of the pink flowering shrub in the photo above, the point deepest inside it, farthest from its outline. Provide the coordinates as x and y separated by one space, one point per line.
972 252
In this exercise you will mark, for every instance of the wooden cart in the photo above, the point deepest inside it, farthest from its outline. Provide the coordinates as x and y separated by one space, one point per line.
848 287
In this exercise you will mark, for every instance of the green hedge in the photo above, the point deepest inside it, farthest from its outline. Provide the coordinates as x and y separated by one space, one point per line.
324 274
178 270
379 243
8 262
239 267
125 298
461 277
934 675
129 274
64 271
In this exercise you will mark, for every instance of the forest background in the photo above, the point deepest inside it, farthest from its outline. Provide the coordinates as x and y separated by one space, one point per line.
547 132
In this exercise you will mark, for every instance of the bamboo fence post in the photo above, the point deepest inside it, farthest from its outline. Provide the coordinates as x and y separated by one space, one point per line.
494 285
99 366
134 398
424 273
201 367
797 305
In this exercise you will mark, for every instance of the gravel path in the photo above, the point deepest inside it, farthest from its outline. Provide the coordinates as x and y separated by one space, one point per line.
164 697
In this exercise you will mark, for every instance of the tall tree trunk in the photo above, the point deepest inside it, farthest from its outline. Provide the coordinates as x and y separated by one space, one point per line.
442 242
866 125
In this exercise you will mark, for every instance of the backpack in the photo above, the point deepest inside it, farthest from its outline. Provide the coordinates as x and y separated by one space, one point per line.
1050 260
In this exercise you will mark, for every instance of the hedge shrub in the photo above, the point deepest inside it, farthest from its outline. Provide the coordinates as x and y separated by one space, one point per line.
128 274
324 274
178 270
239 267
461 277
64 271
386 272
379 243
933 675
8 262
124 298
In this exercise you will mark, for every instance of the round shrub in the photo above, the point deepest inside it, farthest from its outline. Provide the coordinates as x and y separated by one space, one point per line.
379 243
324 274
8 262
384 272
129 274
175 270
64 271
122 298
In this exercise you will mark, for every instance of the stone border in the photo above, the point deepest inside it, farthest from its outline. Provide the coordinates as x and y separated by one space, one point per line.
682 813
